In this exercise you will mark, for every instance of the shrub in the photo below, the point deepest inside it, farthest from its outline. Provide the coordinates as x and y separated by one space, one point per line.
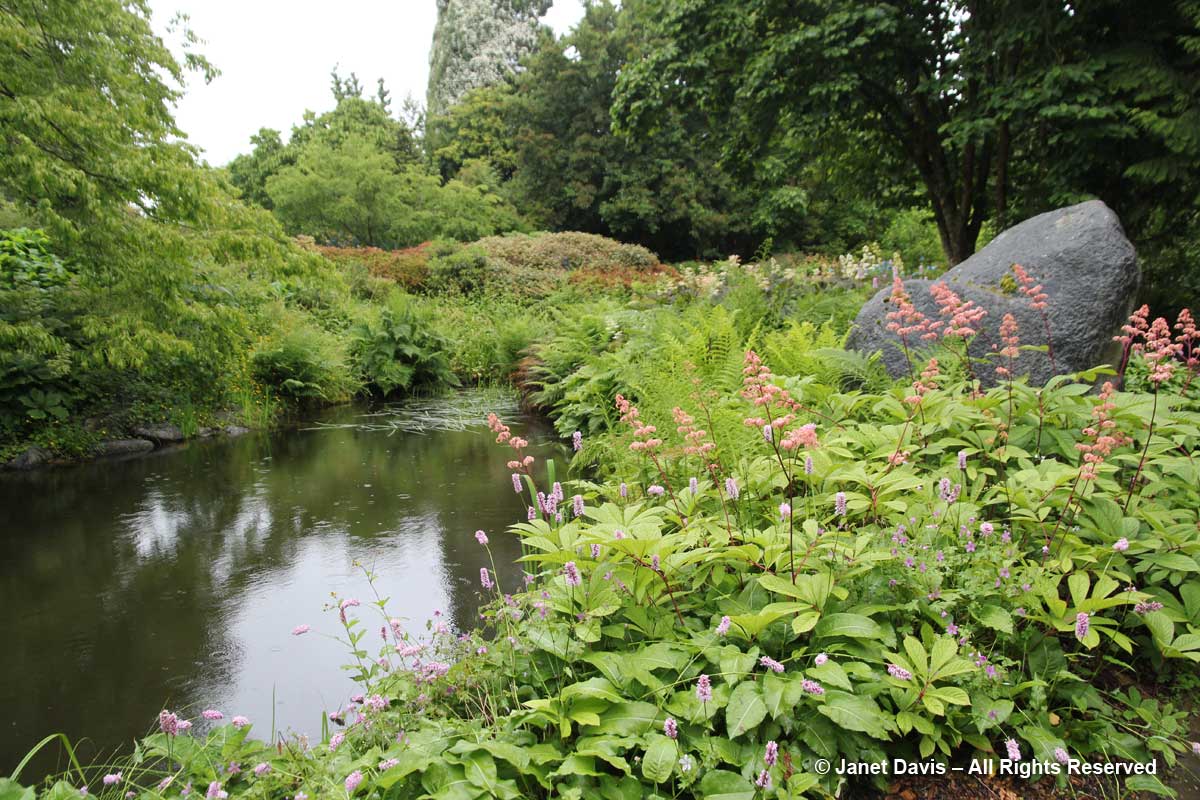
408 267
400 351
566 251
914 234
464 270
304 363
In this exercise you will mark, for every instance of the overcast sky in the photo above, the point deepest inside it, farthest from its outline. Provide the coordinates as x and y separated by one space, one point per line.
275 57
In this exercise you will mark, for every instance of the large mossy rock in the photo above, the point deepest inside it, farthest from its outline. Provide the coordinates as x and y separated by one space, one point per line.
1085 264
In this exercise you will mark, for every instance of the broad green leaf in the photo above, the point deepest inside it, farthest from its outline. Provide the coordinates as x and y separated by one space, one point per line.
719 784
953 695
1149 783
593 688
831 673
856 713
11 790
780 585
1078 583
996 618
855 626
917 655
754 624
735 664
990 713
628 719
660 758
1161 627
746 709
805 622
577 765
481 771
1177 562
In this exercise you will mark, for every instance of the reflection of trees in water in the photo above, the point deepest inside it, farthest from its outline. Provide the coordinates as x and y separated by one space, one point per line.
118 580
99 626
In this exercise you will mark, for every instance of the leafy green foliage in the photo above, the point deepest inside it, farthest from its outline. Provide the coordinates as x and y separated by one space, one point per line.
353 194
305 363
679 634
400 352
993 110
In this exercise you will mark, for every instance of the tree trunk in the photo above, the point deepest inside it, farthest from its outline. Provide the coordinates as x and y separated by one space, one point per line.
1001 202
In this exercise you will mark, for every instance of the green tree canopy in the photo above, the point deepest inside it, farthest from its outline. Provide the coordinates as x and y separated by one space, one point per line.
353 117
353 193
960 94
86 131
572 173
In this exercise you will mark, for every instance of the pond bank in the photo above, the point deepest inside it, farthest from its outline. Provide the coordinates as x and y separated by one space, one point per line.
142 439
176 579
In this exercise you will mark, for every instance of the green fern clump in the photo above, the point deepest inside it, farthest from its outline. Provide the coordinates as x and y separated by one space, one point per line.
804 349
400 351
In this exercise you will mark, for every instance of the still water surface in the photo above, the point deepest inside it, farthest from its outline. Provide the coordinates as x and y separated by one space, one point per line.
175 580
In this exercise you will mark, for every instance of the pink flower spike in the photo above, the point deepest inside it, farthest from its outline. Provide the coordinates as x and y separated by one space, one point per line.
703 689
300 630
771 664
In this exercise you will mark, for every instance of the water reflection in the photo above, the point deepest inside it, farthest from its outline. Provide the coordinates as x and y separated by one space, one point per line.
176 579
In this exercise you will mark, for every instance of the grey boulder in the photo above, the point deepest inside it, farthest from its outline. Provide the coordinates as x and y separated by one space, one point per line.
32 458
123 447
160 434
1085 264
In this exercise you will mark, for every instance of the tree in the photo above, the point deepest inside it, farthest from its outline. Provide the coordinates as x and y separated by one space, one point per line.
572 173
248 172
479 127
351 192
86 130
352 117
955 92
478 43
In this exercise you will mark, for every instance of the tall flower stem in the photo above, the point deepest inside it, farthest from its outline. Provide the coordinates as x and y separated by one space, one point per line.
1145 450
666 583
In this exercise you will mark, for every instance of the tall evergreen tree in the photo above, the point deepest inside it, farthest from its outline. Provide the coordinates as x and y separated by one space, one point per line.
478 43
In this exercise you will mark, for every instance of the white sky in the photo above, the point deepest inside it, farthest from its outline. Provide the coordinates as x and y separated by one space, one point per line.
275 57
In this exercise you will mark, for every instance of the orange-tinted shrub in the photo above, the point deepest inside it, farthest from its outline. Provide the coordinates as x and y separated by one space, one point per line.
408 267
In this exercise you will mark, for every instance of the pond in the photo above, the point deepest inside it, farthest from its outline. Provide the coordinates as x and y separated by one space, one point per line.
175 580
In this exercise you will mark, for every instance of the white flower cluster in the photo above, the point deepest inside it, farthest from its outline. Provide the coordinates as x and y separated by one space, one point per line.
857 267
